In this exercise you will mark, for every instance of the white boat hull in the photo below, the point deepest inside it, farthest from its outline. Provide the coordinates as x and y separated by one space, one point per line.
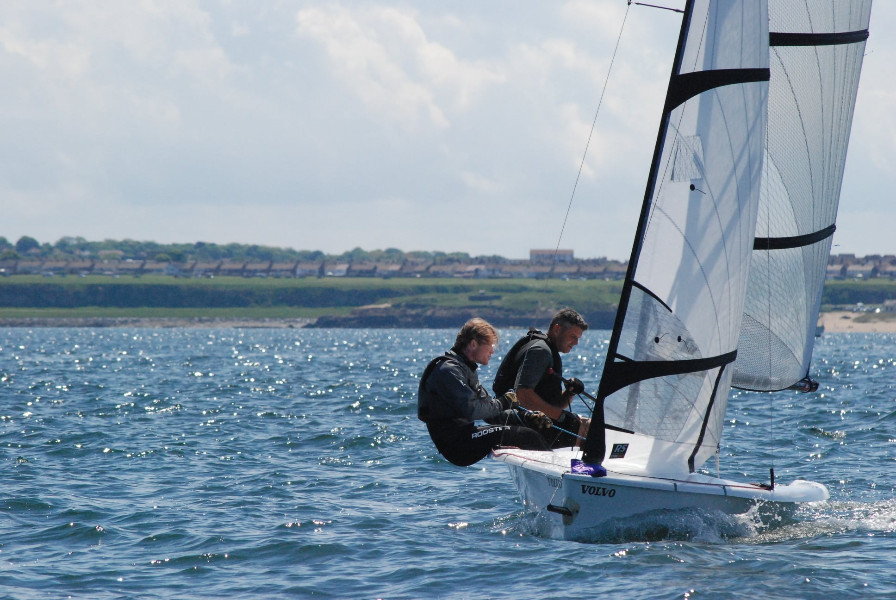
574 506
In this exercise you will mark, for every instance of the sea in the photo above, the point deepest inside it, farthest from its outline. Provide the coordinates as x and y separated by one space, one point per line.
289 463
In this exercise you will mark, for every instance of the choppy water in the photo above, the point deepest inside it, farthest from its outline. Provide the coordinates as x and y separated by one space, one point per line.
141 463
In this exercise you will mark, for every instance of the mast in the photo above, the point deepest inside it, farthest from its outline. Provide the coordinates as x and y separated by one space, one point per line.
665 375
816 60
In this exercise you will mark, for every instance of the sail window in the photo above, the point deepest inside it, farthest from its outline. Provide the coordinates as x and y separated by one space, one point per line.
687 159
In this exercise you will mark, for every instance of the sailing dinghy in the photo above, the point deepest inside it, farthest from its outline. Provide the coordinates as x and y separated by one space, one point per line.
724 281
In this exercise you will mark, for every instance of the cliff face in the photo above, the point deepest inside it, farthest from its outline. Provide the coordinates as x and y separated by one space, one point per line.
385 316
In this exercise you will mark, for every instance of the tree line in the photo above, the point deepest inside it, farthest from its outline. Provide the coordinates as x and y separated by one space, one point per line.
71 248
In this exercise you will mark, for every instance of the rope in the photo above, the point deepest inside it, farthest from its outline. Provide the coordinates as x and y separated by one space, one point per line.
553 426
678 10
590 134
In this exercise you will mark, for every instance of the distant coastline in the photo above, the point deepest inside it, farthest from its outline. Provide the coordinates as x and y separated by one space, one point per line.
833 322
159 322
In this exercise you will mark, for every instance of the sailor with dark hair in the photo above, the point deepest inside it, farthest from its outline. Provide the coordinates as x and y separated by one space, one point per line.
534 369
450 399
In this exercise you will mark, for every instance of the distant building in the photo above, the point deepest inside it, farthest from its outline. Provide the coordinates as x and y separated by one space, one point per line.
551 256
310 268
542 264
861 270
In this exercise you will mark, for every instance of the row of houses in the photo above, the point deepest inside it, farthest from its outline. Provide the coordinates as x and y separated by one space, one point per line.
839 267
849 266
590 269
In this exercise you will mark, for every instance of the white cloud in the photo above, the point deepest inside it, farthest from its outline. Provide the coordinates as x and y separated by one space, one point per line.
370 123
383 55
363 62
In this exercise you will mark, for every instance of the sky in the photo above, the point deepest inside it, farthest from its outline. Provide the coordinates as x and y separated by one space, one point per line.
330 125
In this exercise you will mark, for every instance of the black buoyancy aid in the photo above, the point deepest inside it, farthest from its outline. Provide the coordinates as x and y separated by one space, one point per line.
423 410
549 387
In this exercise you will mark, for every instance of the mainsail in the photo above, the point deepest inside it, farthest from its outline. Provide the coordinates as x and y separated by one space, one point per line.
816 57
668 367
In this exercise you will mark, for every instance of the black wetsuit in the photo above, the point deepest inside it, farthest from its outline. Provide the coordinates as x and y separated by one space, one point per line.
449 400
535 363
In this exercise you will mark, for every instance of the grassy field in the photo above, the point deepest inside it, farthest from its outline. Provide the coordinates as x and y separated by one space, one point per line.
22 296
237 297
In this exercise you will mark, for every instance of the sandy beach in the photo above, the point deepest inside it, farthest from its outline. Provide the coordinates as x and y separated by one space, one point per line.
858 322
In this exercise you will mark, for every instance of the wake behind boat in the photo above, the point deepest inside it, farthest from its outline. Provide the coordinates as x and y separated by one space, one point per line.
724 282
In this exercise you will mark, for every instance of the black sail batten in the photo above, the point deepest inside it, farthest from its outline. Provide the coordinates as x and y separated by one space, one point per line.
626 373
715 390
817 39
796 241
652 295
686 86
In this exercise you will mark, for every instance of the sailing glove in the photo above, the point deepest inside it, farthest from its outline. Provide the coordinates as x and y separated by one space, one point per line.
508 400
569 421
574 386
537 420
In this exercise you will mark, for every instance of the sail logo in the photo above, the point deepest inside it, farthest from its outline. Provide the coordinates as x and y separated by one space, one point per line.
619 451
596 490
